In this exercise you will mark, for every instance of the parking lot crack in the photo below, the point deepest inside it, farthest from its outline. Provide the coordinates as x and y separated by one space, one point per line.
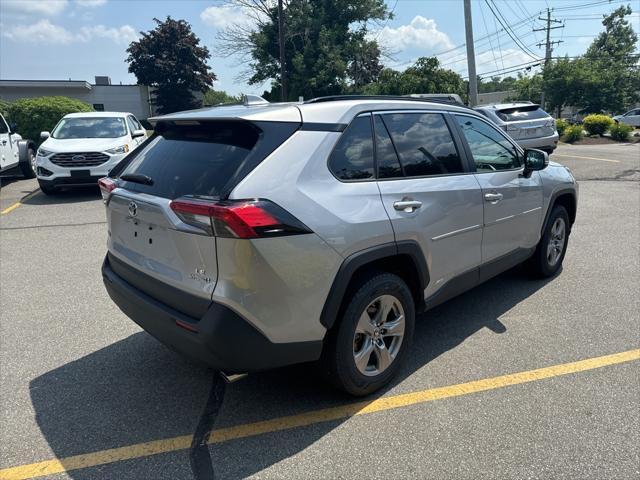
199 456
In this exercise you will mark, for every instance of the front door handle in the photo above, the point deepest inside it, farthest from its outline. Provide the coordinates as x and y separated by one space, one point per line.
492 197
406 205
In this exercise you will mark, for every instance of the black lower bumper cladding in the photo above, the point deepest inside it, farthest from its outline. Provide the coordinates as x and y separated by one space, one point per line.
221 339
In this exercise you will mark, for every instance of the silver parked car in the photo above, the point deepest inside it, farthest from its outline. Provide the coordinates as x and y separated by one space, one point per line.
632 117
528 124
252 237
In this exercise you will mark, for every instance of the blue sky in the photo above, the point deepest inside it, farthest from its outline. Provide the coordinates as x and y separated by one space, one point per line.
78 39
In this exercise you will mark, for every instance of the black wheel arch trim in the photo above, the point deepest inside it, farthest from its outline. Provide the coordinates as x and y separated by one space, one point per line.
360 259
552 202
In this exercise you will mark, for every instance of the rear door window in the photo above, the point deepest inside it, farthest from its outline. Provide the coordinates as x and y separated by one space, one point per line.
352 157
527 112
196 159
424 144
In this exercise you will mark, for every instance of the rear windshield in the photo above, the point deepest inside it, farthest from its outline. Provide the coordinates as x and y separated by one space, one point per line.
195 159
528 112
90 127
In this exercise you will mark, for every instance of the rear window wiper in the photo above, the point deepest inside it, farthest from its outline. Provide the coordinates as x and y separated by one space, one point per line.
137 178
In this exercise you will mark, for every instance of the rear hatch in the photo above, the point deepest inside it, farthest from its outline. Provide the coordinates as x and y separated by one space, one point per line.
526 121
168 254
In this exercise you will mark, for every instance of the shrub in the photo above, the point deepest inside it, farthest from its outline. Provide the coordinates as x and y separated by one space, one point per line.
4 109
573 133
620 131
34 115
597 124
561 126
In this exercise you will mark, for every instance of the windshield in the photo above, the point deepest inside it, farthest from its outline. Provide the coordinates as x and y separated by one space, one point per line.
90 127
529 112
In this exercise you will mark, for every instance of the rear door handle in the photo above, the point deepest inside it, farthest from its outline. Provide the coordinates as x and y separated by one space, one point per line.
407 205
492 197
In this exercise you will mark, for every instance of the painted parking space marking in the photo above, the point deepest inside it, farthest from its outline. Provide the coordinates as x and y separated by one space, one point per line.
141 450
587 158
11 208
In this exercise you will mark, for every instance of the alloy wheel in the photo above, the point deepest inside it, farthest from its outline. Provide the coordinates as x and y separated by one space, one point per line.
378 335
556 241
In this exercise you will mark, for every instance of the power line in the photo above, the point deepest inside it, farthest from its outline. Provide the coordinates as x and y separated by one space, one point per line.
510 33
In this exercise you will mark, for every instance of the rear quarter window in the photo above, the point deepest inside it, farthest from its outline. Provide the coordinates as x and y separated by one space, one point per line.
352 157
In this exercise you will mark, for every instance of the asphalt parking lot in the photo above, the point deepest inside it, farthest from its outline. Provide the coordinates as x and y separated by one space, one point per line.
517 378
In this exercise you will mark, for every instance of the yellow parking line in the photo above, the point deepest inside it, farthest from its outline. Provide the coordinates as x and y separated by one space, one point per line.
11 208
588 158
140 450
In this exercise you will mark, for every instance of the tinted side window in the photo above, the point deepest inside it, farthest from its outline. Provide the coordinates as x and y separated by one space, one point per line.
352 158
132 124
490 149
424 144
388 163
3 126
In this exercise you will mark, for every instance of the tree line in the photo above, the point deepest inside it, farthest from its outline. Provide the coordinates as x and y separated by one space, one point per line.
330 50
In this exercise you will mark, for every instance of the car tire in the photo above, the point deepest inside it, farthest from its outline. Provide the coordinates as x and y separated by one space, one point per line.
549 255
47 189
361 355
28 167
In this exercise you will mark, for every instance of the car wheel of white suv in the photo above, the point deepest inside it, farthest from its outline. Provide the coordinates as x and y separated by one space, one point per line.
372 337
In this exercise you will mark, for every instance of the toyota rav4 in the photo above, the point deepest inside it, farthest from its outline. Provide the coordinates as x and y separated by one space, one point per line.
256 236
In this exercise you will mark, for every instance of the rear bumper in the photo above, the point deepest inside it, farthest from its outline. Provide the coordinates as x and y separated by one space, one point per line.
222 339
542 143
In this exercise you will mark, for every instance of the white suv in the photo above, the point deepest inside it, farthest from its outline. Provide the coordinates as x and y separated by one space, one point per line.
83 147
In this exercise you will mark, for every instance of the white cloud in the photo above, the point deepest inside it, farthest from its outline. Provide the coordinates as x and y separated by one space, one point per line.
41 32
225 16
40 7
46 32
123 35
91 3
421 32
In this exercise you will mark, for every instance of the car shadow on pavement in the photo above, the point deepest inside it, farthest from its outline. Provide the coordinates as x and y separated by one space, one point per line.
136 390
65 196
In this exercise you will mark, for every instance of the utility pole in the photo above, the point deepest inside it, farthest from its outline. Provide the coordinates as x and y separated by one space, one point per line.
471 55
283 67
548 44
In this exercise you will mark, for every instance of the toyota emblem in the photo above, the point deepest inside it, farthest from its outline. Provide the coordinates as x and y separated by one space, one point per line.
133 209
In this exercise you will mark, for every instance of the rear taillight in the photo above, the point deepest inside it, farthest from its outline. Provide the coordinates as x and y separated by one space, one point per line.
238 218
107 185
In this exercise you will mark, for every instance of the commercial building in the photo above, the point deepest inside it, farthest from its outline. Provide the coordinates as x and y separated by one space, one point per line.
102 95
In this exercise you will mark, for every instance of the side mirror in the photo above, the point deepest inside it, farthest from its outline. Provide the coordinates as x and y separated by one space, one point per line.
137 133
534 160
13 127
44 135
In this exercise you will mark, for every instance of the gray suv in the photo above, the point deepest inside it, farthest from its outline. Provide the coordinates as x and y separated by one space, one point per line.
256 236
527 123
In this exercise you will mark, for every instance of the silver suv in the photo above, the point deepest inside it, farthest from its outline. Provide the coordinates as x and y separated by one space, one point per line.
527 123
256 236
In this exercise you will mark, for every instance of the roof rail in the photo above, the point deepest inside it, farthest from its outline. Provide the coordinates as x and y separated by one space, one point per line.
438 99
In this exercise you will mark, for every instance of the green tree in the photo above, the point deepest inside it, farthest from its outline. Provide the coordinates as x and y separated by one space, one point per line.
496 84
424 76
217 97
609 69
527 88
35 115
171 59
325 43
